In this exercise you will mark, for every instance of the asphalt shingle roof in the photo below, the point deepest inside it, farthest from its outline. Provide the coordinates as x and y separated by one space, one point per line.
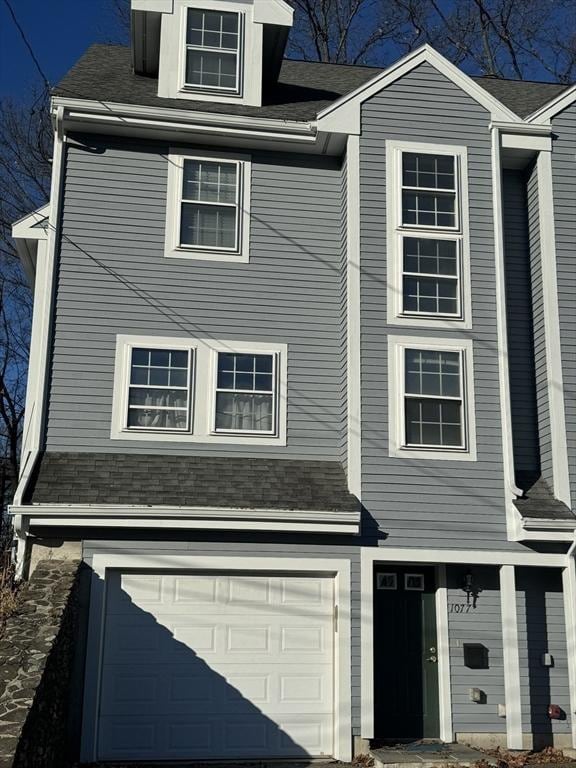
538 501
190 481
104 73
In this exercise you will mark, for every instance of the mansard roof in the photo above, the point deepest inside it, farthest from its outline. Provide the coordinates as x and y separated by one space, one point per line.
303 89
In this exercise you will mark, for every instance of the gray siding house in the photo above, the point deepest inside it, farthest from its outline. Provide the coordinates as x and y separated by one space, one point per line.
302 395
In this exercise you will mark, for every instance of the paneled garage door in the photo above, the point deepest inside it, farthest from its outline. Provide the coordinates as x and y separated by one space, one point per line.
217 666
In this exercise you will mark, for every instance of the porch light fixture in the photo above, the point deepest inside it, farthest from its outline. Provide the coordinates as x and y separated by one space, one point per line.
471 588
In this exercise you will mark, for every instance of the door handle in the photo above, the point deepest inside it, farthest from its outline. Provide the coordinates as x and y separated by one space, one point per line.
432 659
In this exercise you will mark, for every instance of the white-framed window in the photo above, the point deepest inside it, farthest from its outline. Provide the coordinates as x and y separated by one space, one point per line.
199 390
386 581
213 47
207 212
431 398
414 582
245 393
428 238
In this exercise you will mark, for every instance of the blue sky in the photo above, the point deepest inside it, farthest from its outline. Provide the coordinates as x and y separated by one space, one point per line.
59 32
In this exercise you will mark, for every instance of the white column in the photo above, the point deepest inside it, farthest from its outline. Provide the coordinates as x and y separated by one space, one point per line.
443 640
569 588
511 656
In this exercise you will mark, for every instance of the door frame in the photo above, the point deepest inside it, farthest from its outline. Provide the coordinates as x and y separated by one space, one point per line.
440 558
338 569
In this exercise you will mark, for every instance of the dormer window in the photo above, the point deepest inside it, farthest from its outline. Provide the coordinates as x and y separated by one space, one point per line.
213 43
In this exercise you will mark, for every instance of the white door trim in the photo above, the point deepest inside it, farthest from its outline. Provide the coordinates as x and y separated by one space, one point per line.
443 640
338 568
569 588
371 555
509 610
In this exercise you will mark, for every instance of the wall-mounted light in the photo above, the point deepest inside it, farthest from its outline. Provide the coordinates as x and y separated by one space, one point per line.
471 588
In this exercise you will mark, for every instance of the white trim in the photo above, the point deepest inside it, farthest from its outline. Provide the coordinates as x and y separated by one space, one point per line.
533 143
340 569
509 613
173 248
554 375
569 590
26 228
511 491
202 394
343 116
354 369
550 110
443 641
548 524
396 231
172 58
396 347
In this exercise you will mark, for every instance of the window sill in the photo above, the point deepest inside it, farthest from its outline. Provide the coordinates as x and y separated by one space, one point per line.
178 437
429 321
200 255
404 452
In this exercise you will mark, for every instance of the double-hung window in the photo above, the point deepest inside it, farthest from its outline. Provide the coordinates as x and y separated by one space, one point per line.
428 234
199 390
431 397
213 50
159 389
207 215
245 393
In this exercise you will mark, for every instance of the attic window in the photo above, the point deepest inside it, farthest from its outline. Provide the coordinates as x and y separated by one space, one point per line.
213 40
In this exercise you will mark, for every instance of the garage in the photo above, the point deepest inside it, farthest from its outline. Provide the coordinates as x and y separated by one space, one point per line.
216 666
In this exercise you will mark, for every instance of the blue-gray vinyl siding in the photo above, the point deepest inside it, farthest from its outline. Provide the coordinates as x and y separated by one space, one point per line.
540 366
521 364
482 625
421 502
113 279
564 181
542 629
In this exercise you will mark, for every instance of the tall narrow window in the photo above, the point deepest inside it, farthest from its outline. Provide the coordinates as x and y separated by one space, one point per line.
246 393
433 399
159 389
209 216
213 42
428 241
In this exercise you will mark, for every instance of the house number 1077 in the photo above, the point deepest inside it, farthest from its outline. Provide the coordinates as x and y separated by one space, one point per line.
459 608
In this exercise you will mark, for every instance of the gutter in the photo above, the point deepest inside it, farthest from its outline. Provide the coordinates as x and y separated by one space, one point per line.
30 461
85 110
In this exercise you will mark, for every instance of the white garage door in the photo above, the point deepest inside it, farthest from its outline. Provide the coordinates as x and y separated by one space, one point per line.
217 666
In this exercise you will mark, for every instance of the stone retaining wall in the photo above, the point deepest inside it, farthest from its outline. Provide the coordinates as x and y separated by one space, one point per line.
36 658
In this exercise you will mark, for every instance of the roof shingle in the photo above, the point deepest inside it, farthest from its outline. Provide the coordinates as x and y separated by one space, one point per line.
104 73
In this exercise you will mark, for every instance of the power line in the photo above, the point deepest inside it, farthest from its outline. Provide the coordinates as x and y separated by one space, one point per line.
26 43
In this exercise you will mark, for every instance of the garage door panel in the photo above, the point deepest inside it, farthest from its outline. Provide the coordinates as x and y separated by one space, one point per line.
243 662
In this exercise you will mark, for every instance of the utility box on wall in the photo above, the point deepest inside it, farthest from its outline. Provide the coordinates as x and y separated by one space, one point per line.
475 656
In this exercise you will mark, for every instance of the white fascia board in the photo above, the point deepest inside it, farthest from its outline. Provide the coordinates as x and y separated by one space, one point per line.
24 228
550 110
275 12
343 116
321 521
521 141
190 118
194 525
153 6
545 524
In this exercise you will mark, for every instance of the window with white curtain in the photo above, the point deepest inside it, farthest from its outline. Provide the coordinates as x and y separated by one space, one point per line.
159 389
213 45
199 390
245 393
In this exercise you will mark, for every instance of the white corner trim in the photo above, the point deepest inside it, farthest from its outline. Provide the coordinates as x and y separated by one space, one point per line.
343 116
550 110
202 395
339 569
172 248
511 490
509 613
396 347
443 640
354 371
396 231
569 590
554 374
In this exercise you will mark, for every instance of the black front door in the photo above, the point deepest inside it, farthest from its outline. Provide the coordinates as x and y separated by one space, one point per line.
405 653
